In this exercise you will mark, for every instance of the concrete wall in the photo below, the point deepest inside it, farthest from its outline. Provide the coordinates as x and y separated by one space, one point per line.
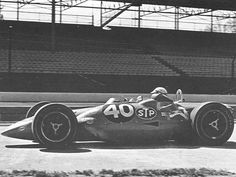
14 105
100 97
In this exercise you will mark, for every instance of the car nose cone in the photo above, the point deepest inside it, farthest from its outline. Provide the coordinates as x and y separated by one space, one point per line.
5 133
10 133
21 129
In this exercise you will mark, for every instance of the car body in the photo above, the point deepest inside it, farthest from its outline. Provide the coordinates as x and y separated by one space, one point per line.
126 121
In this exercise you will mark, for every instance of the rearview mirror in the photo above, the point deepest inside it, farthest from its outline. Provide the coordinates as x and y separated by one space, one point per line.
179 96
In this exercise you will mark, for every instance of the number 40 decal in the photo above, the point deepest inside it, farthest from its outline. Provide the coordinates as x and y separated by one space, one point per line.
119 113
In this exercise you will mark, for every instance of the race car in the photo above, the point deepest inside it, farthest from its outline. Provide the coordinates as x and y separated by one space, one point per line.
126 121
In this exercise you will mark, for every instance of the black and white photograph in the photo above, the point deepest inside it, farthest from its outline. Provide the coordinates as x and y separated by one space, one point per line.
117 88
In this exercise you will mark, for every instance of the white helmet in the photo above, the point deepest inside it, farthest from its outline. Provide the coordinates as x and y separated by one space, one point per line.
159 90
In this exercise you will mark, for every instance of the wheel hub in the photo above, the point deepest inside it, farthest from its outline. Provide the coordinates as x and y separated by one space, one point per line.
55 126
214 124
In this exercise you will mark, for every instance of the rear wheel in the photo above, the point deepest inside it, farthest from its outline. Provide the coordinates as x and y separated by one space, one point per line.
213 123
54 125
35 108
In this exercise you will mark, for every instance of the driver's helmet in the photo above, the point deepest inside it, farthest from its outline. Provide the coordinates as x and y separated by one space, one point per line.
139 98
159 90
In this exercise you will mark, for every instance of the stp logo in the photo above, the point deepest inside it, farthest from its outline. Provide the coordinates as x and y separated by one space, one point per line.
146 113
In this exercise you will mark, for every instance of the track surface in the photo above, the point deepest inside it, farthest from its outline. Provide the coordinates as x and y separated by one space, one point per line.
25 155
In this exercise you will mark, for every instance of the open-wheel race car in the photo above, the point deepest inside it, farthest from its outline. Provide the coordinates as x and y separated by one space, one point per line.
120 121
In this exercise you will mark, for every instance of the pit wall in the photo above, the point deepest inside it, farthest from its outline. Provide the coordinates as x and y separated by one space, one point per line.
14 105
26 97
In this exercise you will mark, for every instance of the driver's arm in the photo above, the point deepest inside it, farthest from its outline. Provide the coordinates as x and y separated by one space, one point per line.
169 107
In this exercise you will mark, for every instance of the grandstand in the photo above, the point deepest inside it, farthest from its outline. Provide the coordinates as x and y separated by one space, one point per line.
86 58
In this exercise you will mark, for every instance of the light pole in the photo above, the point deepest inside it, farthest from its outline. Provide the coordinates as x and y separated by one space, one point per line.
9 47
53 26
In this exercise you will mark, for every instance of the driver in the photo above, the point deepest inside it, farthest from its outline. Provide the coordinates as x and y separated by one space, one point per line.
165 104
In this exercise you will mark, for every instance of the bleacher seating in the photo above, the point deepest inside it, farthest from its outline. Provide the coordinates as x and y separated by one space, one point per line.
37 36
138 57
3 60
30 61
26 61
202 66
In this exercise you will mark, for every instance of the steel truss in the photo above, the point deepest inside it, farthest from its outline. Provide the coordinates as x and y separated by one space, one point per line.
111 11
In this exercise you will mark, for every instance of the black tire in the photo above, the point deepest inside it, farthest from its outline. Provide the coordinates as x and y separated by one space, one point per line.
213 123
54 125
35 108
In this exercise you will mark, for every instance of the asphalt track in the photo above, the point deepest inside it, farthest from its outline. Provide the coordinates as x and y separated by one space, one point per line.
25 155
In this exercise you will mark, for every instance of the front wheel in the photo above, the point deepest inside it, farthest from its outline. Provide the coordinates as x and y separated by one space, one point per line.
54 125
213 123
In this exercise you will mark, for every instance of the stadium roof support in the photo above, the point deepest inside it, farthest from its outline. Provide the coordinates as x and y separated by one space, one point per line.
68 7
53 25
157 11
20 6
125 7
166 14
177 18
205 4
196 13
